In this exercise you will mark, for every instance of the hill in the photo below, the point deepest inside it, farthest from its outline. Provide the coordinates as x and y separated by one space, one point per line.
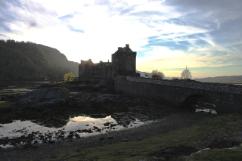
223 79
25 61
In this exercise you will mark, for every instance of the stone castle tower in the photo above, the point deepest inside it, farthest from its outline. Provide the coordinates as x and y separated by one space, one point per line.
124 62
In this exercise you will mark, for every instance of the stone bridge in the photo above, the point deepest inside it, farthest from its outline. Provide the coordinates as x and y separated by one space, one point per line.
184 93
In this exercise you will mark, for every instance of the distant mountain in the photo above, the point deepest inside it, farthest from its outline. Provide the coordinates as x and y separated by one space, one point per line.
223 79
32 62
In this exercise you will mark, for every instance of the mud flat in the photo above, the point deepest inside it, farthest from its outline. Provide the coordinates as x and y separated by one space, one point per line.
88 122
23 133
180 136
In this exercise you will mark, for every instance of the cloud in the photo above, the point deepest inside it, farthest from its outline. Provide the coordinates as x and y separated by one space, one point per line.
178 45
5 17
75 29
2 36
66 17
167 34
18 15
217 16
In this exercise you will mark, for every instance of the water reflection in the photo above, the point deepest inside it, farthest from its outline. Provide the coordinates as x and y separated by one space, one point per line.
89 120
9 91
85 122
20 133
207 110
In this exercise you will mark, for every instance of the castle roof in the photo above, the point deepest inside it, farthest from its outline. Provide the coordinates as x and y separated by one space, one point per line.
89 61
125 50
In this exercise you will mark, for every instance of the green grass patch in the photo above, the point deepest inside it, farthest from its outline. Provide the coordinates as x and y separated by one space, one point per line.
217 155
198 136
4 104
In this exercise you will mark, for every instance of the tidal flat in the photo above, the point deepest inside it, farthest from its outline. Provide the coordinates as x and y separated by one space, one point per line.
76 122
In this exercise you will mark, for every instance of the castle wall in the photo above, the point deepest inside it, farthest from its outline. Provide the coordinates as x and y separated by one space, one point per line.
97 71
124 64
227 98
103 71
86 69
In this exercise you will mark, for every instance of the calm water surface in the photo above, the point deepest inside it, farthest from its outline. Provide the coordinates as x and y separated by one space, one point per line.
20 133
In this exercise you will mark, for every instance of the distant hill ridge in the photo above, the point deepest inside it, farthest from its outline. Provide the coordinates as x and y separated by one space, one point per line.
25 61
223 79
219 79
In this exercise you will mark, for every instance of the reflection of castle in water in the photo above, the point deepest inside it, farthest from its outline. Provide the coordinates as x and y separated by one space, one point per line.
123 63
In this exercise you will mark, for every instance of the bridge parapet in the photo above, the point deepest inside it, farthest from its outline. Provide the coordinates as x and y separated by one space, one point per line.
215 87
227 98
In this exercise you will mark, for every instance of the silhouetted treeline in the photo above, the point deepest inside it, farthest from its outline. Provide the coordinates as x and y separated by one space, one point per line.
32 62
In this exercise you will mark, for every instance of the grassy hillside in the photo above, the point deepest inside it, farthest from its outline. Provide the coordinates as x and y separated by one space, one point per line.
30 62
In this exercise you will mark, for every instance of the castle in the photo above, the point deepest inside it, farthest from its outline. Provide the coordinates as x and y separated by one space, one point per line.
178 93
123 64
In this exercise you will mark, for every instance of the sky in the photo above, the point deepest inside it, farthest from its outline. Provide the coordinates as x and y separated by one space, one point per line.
168 35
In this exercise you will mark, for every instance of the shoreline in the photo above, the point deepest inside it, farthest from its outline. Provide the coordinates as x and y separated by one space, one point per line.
127 135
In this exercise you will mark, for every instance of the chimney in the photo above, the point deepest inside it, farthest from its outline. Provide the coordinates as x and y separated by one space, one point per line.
127 45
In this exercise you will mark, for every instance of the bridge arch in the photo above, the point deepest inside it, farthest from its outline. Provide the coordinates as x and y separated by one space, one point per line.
196 101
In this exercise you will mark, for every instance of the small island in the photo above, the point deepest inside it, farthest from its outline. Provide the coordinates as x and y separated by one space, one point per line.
110 107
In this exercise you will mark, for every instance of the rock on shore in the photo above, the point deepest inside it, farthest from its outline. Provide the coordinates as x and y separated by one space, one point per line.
45 96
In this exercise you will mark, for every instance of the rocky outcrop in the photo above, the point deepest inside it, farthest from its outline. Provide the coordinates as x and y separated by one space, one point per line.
45 96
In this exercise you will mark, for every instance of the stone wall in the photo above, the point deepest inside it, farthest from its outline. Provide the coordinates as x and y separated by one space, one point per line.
124 62
227 98
102 70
